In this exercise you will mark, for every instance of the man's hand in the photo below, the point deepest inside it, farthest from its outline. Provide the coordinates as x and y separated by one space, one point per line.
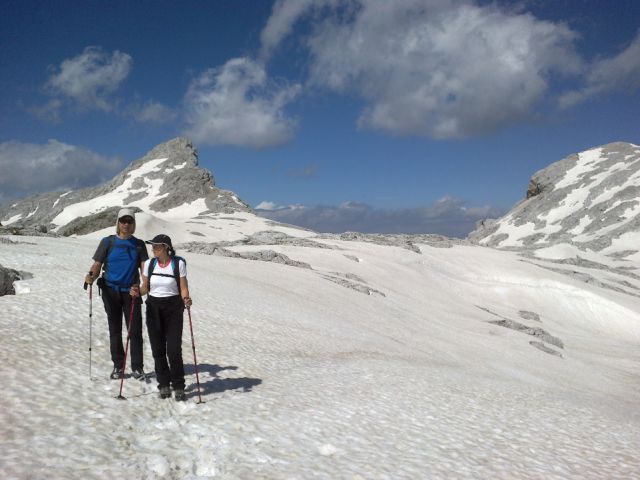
89 278
135 291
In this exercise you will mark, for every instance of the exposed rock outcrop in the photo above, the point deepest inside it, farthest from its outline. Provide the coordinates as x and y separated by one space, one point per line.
7 277
165 178
588 200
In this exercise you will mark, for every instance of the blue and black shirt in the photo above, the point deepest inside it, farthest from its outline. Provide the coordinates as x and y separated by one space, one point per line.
120 261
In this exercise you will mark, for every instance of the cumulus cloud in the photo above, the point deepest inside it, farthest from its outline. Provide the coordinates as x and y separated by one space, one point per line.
620 72
27 168
236 104
448 216
441 69
438 68
268 206
88 79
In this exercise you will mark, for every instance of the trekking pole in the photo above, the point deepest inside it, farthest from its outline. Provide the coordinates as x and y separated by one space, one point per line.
90 320
195 362
126 349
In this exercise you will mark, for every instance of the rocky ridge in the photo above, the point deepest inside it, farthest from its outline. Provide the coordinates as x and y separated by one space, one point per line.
588 200
580 214
166 178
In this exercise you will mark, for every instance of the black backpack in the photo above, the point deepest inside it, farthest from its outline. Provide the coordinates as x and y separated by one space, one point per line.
175 261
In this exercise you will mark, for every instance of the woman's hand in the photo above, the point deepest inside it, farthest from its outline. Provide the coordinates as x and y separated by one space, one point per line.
135 291
187 301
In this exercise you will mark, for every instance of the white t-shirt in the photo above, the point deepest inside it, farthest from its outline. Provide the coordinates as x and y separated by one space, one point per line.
160 286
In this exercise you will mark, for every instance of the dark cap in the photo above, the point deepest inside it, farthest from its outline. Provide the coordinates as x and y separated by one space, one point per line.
160 239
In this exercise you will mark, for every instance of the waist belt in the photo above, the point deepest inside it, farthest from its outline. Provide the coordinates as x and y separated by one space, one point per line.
119 288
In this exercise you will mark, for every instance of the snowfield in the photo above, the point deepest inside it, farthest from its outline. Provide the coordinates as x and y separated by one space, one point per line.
461 362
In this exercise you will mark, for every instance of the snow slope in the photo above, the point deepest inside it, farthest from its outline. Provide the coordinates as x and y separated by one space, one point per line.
306 376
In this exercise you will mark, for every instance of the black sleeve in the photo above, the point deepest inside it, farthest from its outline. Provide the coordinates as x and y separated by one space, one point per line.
101 252
143 251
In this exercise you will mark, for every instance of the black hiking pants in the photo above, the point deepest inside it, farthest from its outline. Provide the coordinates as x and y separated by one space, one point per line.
164 324
118 305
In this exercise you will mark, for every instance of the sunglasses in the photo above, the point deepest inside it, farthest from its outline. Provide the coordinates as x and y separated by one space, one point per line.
127 220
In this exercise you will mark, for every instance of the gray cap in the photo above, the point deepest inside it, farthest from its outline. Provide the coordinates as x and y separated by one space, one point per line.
126 212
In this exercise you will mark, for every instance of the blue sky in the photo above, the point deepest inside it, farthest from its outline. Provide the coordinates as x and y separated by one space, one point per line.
418 116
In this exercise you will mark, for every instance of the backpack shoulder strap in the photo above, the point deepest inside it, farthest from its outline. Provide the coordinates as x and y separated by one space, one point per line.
176 269
152 265
111 239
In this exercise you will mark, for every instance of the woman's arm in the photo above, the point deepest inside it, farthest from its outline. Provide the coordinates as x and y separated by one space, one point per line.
144 285
143 288
184 291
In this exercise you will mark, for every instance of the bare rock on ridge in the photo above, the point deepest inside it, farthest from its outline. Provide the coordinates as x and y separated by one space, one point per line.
587 200
165 178
7 277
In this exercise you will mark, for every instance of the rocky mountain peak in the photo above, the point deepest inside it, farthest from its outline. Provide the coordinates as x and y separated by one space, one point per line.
589 200
167 180
177 151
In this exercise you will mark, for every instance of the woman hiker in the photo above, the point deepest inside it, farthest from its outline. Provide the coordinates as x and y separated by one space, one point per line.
121 256
164 279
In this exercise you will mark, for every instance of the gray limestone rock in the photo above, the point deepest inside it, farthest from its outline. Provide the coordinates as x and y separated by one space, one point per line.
409 242
597 189
27 231
270 237
91 223
353 282
177 178
261 255
588 278
534 331
7 277
545 349
529 315
519 327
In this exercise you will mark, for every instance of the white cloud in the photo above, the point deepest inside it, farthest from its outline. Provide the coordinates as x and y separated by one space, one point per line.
284 15
438 68
27 168
237 105
153 112
619 72
441 69
49 112
87 80
448 216
264 205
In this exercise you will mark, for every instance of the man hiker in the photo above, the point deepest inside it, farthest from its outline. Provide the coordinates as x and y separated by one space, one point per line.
121 257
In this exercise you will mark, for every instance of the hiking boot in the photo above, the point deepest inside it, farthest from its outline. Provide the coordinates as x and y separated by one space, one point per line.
180 396
165 392
116 374
139 374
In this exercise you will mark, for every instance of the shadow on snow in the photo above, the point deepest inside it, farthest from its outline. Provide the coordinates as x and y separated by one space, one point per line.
217 384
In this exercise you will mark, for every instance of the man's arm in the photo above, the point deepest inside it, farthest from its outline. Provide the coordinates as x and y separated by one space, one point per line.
94 272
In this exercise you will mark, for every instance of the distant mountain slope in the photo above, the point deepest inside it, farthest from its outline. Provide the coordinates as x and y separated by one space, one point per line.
589 200
166 181
580 215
